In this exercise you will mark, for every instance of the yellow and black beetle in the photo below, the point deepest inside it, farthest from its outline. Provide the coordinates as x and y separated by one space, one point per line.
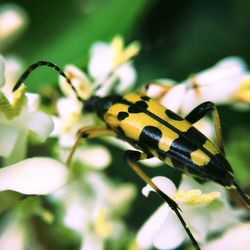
155 131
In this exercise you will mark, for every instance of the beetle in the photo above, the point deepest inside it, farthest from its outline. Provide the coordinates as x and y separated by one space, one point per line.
155 131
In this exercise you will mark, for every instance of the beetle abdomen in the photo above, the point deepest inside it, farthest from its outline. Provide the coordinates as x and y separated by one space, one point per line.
165 135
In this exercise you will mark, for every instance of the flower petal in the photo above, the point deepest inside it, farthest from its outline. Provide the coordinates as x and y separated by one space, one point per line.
146 234
198 219
97 157
227 68
8 137
79 80
235 238
101 57
13 20
13 237
127 75
158 88
38 175
152 162
33 101
174 98
216 84
92 242
41 124
18 152
206 127
171 234
163 183
76 216
2 78
13 67
66 107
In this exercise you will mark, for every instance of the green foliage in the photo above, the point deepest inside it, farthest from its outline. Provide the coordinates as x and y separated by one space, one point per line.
64 30
237 150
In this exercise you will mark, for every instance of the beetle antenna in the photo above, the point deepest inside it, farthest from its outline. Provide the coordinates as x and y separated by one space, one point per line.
32 67
242 194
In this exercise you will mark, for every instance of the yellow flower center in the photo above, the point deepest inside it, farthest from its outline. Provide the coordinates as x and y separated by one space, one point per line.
47 216
122 54
103 226
134 246
14 107
195 197
71 121
243 92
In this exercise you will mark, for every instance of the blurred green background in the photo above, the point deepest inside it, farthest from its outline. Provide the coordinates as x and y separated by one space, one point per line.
177 37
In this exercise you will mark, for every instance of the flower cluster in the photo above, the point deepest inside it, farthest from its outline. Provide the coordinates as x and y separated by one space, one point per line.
227 82
205 211
90 208
92 204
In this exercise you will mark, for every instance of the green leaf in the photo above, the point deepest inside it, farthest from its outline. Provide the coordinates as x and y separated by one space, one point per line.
104 20
237 150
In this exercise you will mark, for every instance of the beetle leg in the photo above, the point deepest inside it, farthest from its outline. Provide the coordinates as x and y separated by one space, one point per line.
87 133
155 90
200 111
132 157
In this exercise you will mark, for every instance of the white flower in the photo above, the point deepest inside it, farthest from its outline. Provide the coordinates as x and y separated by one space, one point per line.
226 82
18 117
97 157
92 208
236 237
163 229
113 60
70 116
109 68
38 175
80 81
68 123
110 63
69 120
12 66
13 237
13 21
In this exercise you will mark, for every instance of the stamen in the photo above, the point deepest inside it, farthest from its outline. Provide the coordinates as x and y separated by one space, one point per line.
195 197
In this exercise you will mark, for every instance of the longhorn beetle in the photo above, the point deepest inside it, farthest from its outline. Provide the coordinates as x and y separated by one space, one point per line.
156 131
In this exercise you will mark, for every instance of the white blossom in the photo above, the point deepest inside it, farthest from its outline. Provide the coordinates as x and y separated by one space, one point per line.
237 237
163 229
227 81
93 205
13 20
110 63
19 115
38 175
13 237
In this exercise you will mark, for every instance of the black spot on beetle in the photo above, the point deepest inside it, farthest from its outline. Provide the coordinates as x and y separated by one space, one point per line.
195 135
145 98
183 146
150 136
138 107
173 115
122 115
